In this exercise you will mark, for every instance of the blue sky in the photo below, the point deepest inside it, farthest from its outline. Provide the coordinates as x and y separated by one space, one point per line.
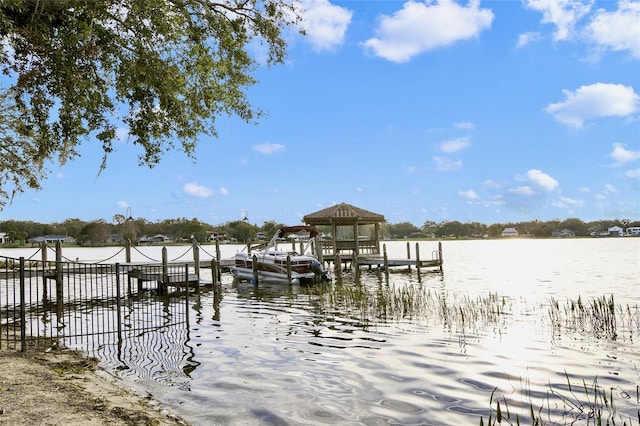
488 111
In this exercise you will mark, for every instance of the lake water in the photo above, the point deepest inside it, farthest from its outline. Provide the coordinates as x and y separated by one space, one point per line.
522 322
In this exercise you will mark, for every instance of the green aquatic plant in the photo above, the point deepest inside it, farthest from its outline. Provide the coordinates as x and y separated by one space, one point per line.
410 302
600 317
564 406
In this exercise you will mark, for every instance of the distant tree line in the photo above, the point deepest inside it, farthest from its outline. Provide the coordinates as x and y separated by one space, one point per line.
121 229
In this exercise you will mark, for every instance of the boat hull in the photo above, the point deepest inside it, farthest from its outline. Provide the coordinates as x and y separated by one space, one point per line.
275 268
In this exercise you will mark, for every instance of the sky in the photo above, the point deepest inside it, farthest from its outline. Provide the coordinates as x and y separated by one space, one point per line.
473 111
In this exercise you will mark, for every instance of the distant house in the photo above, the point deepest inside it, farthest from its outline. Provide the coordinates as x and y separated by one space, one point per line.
155 239
51 239
633 231
615 231
4 238
510 232
564 233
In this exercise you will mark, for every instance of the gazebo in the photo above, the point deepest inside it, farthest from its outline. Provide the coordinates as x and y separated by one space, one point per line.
353 230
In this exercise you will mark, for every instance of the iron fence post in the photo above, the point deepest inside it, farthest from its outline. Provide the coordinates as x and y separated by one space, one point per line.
23 318
118 303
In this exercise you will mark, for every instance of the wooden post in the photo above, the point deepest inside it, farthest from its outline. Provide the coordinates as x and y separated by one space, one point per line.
440 254
196 261
215 271
408 250
356 264
254 266
289 269
218 251
43 249
301 248
249 247
418 257
319 252
127 258
386 263
338 267
162 287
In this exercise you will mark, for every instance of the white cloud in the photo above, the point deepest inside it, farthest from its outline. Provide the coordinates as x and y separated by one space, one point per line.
618 30
565 203
325 24
447 164
564 14
522 190
610 188
593 101
465 125
122 204
633 174
268 148
622 155
541 180
223 191
454 145
528 38
422 26
469 194
195 190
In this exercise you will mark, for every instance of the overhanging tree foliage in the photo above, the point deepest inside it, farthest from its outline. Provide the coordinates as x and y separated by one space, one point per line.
162 69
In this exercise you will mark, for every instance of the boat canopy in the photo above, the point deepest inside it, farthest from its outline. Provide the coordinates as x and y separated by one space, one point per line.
313 232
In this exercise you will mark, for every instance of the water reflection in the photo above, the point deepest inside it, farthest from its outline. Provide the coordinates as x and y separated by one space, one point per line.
435 349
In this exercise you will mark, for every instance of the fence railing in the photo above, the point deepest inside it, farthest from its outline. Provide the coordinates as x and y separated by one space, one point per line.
88 306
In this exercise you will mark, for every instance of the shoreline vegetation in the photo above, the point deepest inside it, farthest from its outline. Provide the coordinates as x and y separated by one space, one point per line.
15 233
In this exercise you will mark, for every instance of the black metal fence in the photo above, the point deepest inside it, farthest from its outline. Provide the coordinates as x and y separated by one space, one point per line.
90 306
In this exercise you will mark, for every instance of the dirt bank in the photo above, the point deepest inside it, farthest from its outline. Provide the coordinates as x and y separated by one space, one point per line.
60 387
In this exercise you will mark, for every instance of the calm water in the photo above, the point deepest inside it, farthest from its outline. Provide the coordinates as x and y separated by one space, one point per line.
485 330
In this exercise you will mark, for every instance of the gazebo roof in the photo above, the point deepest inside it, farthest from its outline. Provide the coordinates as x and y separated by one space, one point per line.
342 214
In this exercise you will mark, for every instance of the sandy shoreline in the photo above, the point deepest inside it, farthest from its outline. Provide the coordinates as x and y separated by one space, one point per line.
60 387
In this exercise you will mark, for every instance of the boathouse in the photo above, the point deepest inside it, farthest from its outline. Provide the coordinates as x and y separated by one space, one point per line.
352 230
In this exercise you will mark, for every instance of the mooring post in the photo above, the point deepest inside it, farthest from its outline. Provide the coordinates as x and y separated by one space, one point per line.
196 261
43 249
127 259
318 251
356 264
214 272
289 269
386 263
254 267
440 254
162 287
218 250
418 257
408 250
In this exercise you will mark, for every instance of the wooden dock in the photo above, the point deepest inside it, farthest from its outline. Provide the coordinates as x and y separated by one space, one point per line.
383 262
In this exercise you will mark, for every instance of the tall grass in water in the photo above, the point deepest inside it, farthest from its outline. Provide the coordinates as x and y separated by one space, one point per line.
600 317
383 303
588 405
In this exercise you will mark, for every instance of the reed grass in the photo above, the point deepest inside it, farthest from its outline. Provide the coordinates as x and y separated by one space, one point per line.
382 303
587 404
600 317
